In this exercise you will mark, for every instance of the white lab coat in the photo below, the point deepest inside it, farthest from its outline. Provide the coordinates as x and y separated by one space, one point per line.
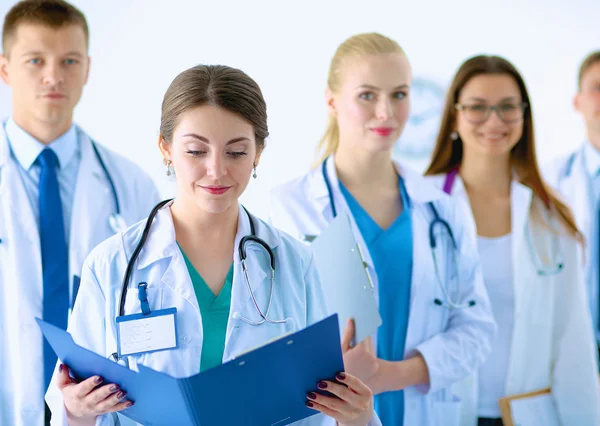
553 343
568 175
21 288
453 342
297 297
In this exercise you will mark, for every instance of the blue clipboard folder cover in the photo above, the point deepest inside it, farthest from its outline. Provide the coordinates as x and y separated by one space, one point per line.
264 387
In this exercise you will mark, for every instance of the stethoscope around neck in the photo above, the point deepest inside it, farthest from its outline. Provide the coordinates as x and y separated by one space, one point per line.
436 222
115 220
252 238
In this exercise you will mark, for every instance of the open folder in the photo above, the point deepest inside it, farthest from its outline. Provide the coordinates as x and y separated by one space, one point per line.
346 282
266 386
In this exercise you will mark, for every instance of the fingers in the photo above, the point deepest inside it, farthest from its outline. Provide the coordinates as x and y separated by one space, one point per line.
62 378
369 344
101 394
354 400
343 394
354 383
323 409
84 388
114 402
348 335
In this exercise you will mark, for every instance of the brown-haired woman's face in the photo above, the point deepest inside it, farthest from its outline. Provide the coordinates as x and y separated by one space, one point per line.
213 152
487 131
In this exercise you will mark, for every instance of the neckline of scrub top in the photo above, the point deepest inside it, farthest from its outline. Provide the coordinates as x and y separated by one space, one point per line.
204 294
355 206
214 311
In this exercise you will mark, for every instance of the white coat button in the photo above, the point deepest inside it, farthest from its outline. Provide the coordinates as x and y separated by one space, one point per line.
186 339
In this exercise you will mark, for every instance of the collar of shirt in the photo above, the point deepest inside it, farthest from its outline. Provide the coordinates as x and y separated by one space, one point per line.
591 158
26 148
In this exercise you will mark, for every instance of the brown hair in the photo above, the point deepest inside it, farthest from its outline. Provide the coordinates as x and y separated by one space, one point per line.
51 13
220 86
447 154
587 63
356 46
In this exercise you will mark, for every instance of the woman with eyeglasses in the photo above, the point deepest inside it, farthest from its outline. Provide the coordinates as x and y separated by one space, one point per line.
529 245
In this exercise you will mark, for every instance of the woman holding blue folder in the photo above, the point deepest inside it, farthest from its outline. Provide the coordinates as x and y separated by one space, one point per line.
234 282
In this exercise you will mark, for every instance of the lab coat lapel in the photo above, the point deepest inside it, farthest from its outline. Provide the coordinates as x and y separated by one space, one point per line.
321 195
576 190
162 244
520 200
257 267
13 195
92 206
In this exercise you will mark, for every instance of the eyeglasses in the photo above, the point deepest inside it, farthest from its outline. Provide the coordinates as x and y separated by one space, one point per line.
479 113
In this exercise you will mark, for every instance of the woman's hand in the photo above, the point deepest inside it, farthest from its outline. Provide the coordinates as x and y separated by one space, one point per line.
86 400
360 360
351 403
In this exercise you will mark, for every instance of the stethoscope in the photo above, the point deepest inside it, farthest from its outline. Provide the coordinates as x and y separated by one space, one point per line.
115 220
436 222
540 268
252 238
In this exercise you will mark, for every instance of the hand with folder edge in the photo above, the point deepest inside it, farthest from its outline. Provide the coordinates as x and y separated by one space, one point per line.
350 402
378 374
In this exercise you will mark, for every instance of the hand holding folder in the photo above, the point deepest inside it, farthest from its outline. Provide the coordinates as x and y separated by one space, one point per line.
267 386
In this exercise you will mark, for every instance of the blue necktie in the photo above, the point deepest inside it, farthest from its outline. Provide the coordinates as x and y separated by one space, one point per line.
53 243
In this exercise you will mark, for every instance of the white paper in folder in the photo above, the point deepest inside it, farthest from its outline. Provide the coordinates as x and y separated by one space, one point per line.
348 288
534 411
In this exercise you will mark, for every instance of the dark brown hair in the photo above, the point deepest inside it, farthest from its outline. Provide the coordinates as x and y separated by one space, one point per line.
51 13
216 85
587 63
447 154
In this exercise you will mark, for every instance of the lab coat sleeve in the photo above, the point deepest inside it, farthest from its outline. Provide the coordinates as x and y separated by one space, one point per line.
316 311
87 327
466 342
575 384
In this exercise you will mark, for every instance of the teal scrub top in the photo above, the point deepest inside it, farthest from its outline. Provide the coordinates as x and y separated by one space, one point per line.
215 314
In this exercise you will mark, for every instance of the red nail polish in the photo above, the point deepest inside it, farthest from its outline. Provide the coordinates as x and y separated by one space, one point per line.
322 385
129 404
60 367
340 376
309 404
311 395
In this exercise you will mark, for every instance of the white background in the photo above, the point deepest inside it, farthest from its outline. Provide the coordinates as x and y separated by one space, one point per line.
139 46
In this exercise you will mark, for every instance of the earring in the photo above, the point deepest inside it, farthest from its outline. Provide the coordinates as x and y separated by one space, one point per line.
169 168
454 135
254 175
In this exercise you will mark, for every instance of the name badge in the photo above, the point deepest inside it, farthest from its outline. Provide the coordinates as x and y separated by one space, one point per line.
143 333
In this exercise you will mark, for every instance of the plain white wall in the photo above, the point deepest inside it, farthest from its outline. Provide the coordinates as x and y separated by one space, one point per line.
139 46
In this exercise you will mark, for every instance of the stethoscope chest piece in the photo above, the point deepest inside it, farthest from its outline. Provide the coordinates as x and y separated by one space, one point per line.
117 223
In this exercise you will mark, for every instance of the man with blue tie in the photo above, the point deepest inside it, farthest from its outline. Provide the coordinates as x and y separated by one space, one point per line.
60 195
577 177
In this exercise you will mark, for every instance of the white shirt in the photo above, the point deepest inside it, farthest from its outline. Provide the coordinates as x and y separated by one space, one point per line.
496 262
25 149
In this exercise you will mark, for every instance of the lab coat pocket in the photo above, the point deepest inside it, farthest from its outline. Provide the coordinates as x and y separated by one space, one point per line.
447 413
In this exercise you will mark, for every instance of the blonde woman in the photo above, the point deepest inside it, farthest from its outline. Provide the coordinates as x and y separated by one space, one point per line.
437 325
529 247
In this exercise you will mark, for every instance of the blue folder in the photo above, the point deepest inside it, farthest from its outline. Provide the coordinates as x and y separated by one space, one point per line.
264 387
